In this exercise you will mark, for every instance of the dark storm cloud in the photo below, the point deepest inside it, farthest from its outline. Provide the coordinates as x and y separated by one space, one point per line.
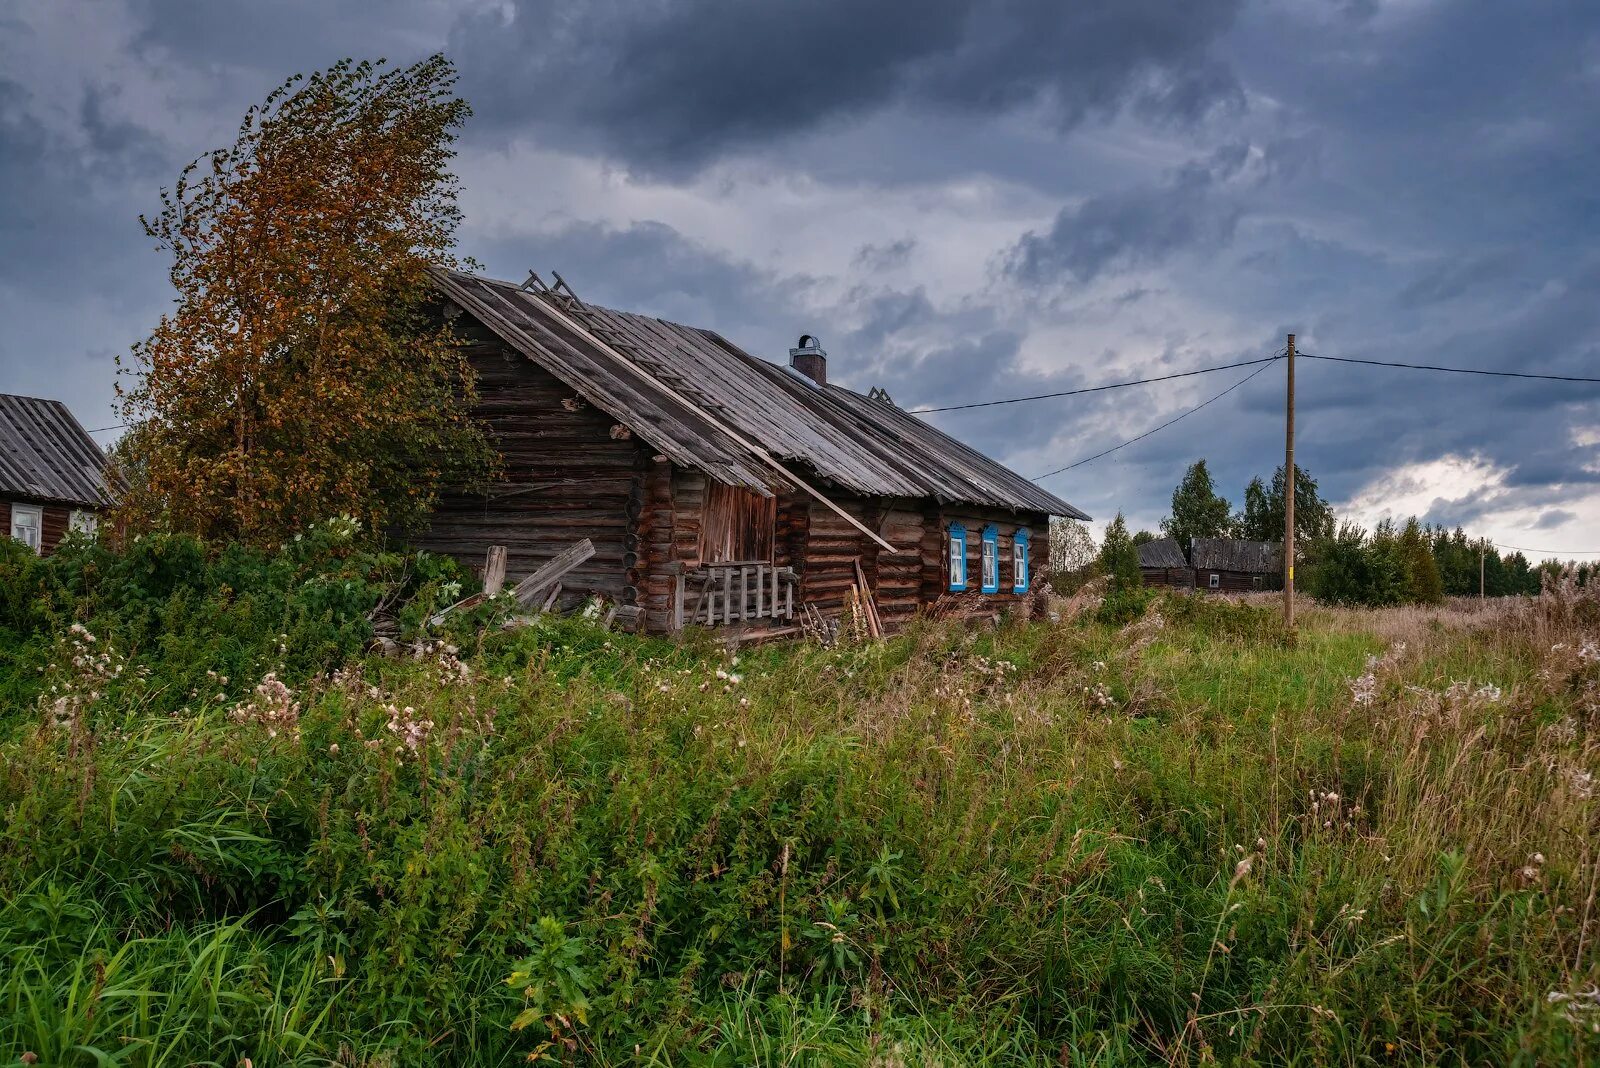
1416 182
675 84
1135 227
1451 278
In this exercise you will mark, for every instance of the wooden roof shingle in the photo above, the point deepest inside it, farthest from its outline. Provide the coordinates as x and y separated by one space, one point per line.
46 455
1236 554
706 404
1163 552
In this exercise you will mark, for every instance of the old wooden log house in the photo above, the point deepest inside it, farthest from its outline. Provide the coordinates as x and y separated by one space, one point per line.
53 477
718 488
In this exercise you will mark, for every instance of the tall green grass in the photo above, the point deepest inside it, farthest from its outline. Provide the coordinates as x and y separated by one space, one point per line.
1043 844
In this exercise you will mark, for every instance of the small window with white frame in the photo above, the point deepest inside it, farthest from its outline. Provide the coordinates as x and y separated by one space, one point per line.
27 525
957 546
1216 582
990 560
83 522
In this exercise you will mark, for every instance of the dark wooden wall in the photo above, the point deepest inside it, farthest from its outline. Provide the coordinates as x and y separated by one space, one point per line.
54 524
570 473
1231 581
1181 577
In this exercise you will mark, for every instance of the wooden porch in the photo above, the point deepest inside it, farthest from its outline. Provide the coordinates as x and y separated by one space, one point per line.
733 593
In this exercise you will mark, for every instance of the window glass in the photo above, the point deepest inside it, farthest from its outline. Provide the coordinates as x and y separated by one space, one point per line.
990 559
84 522
1216 582
958 557
1019 562
27 522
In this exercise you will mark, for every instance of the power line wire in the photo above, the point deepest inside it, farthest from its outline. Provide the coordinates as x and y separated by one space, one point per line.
103 429
1163 426
1097 389
1452 370
1548 552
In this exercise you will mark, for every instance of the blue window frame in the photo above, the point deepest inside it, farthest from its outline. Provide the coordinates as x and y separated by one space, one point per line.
1020 573
990 559
957 551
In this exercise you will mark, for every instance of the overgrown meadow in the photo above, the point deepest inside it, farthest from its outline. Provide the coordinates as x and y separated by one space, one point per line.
232 836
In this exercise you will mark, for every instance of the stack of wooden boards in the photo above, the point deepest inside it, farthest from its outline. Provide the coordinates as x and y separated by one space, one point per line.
861 607
541 590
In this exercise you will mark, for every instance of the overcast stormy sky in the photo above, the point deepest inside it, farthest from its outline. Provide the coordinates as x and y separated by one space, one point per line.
965 199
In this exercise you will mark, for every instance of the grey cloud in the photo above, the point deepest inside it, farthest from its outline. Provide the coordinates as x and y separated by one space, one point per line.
884 257
1134 227
677 84
1555 517
1454 277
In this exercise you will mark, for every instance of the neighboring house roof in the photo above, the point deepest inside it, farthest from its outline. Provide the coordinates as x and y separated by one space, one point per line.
46 455
1163 552
1235 554
706 404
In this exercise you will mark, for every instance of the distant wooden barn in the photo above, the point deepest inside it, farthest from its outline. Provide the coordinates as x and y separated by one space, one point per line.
1161 563
718 488
1233 565
53 476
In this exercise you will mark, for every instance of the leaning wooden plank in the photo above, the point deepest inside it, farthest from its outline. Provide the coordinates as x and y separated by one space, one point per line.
494 570
553 570
869 604
466 602
555 595
751 447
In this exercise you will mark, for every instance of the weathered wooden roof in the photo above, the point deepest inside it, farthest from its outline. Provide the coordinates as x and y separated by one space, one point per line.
46 455
707 404
1163 552
1236 554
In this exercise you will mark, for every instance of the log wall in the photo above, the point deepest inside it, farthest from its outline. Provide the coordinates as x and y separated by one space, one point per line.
1181 577
1233 581
1007 523
569 473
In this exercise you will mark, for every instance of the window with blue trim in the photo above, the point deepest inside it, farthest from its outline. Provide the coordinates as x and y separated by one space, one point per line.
991 559
1019 562
958 557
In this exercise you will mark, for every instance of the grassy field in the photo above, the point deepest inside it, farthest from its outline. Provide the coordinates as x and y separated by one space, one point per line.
1189 840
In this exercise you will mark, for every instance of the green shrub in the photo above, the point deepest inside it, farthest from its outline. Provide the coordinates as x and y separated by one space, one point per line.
197 627
1225 617
1122 605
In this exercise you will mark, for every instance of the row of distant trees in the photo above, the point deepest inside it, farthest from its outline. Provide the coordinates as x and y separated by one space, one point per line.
1338 562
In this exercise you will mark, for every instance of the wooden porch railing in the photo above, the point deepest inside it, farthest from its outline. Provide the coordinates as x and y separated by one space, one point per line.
722 594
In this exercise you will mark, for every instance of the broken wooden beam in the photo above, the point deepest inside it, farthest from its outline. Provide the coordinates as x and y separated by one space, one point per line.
466 602
553 570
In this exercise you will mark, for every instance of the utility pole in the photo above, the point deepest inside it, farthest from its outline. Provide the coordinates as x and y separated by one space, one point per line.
1483 549
1288 496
